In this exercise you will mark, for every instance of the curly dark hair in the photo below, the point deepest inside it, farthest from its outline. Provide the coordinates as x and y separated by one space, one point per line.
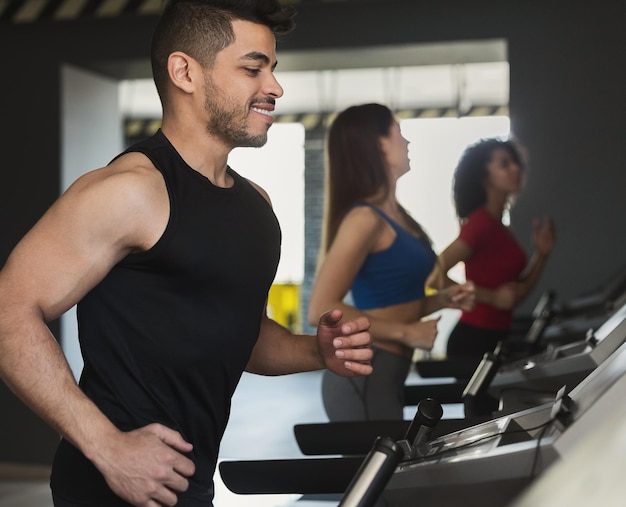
202 28
471 173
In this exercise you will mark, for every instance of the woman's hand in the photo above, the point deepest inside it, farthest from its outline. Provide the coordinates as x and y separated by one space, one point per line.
421 334
461 297
544 236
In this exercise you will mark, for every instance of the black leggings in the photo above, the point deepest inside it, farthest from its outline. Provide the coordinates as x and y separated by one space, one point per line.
472 342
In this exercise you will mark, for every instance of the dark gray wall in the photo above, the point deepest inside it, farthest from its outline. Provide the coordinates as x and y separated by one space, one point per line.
566 105
30 160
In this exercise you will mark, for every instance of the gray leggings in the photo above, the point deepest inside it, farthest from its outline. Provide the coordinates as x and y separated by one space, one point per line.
379 396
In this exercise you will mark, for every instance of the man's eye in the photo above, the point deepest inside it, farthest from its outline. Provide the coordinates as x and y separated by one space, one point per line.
251 70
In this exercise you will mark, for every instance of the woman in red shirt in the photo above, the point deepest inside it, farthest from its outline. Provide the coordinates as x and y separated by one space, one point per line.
488 176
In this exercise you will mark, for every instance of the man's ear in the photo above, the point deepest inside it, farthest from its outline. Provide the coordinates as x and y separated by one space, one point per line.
183 71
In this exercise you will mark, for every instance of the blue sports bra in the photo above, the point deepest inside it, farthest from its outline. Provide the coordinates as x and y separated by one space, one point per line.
394 275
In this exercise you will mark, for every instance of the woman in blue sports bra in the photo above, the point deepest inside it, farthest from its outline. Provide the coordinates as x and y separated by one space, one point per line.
376 254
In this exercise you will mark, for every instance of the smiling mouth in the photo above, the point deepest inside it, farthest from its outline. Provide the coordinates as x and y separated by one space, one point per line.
264 112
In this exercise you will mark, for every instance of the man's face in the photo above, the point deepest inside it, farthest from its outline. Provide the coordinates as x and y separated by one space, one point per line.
240 89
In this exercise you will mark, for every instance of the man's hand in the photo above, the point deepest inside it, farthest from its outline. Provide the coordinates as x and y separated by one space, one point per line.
146 466
345 347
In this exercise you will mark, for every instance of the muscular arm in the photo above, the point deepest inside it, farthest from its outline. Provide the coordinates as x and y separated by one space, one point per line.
105 215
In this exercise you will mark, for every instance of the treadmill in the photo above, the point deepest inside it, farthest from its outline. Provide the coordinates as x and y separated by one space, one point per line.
497 458
530 381
492 463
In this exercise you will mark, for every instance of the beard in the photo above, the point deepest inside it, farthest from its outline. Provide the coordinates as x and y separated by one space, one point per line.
228 121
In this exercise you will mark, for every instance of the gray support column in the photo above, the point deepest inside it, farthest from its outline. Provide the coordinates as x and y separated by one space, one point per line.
313 212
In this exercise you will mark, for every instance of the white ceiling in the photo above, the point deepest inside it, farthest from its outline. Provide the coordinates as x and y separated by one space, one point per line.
460 74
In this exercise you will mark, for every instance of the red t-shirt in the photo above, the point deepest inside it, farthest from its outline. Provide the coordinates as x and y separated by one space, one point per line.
496 259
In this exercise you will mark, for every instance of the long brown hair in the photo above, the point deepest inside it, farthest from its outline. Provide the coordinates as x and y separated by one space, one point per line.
355 166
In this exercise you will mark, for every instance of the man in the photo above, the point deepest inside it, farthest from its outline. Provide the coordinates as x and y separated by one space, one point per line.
169 254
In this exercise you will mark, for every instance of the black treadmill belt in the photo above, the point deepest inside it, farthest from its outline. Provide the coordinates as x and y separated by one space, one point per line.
289 476
356 438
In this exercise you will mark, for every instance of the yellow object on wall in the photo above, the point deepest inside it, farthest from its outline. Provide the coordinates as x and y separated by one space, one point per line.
283 305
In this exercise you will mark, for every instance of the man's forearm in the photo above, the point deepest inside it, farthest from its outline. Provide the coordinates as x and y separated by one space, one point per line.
278 351
34 367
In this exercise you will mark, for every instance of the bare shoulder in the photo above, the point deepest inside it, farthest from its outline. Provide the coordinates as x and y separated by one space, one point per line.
360 229
363 218
132 172
105 215
129 178
128 195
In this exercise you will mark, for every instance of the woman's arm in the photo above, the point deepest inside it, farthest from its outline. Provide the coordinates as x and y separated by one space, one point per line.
544 237
508 295
360 234
455 252
504 297
356 238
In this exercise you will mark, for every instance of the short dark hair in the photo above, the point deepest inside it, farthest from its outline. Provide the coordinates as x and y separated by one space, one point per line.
202 28
470 174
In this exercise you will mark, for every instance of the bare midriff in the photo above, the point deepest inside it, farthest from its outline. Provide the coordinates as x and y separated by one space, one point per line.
403 313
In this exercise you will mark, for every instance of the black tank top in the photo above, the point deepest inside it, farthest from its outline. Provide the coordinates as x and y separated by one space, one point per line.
168 332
